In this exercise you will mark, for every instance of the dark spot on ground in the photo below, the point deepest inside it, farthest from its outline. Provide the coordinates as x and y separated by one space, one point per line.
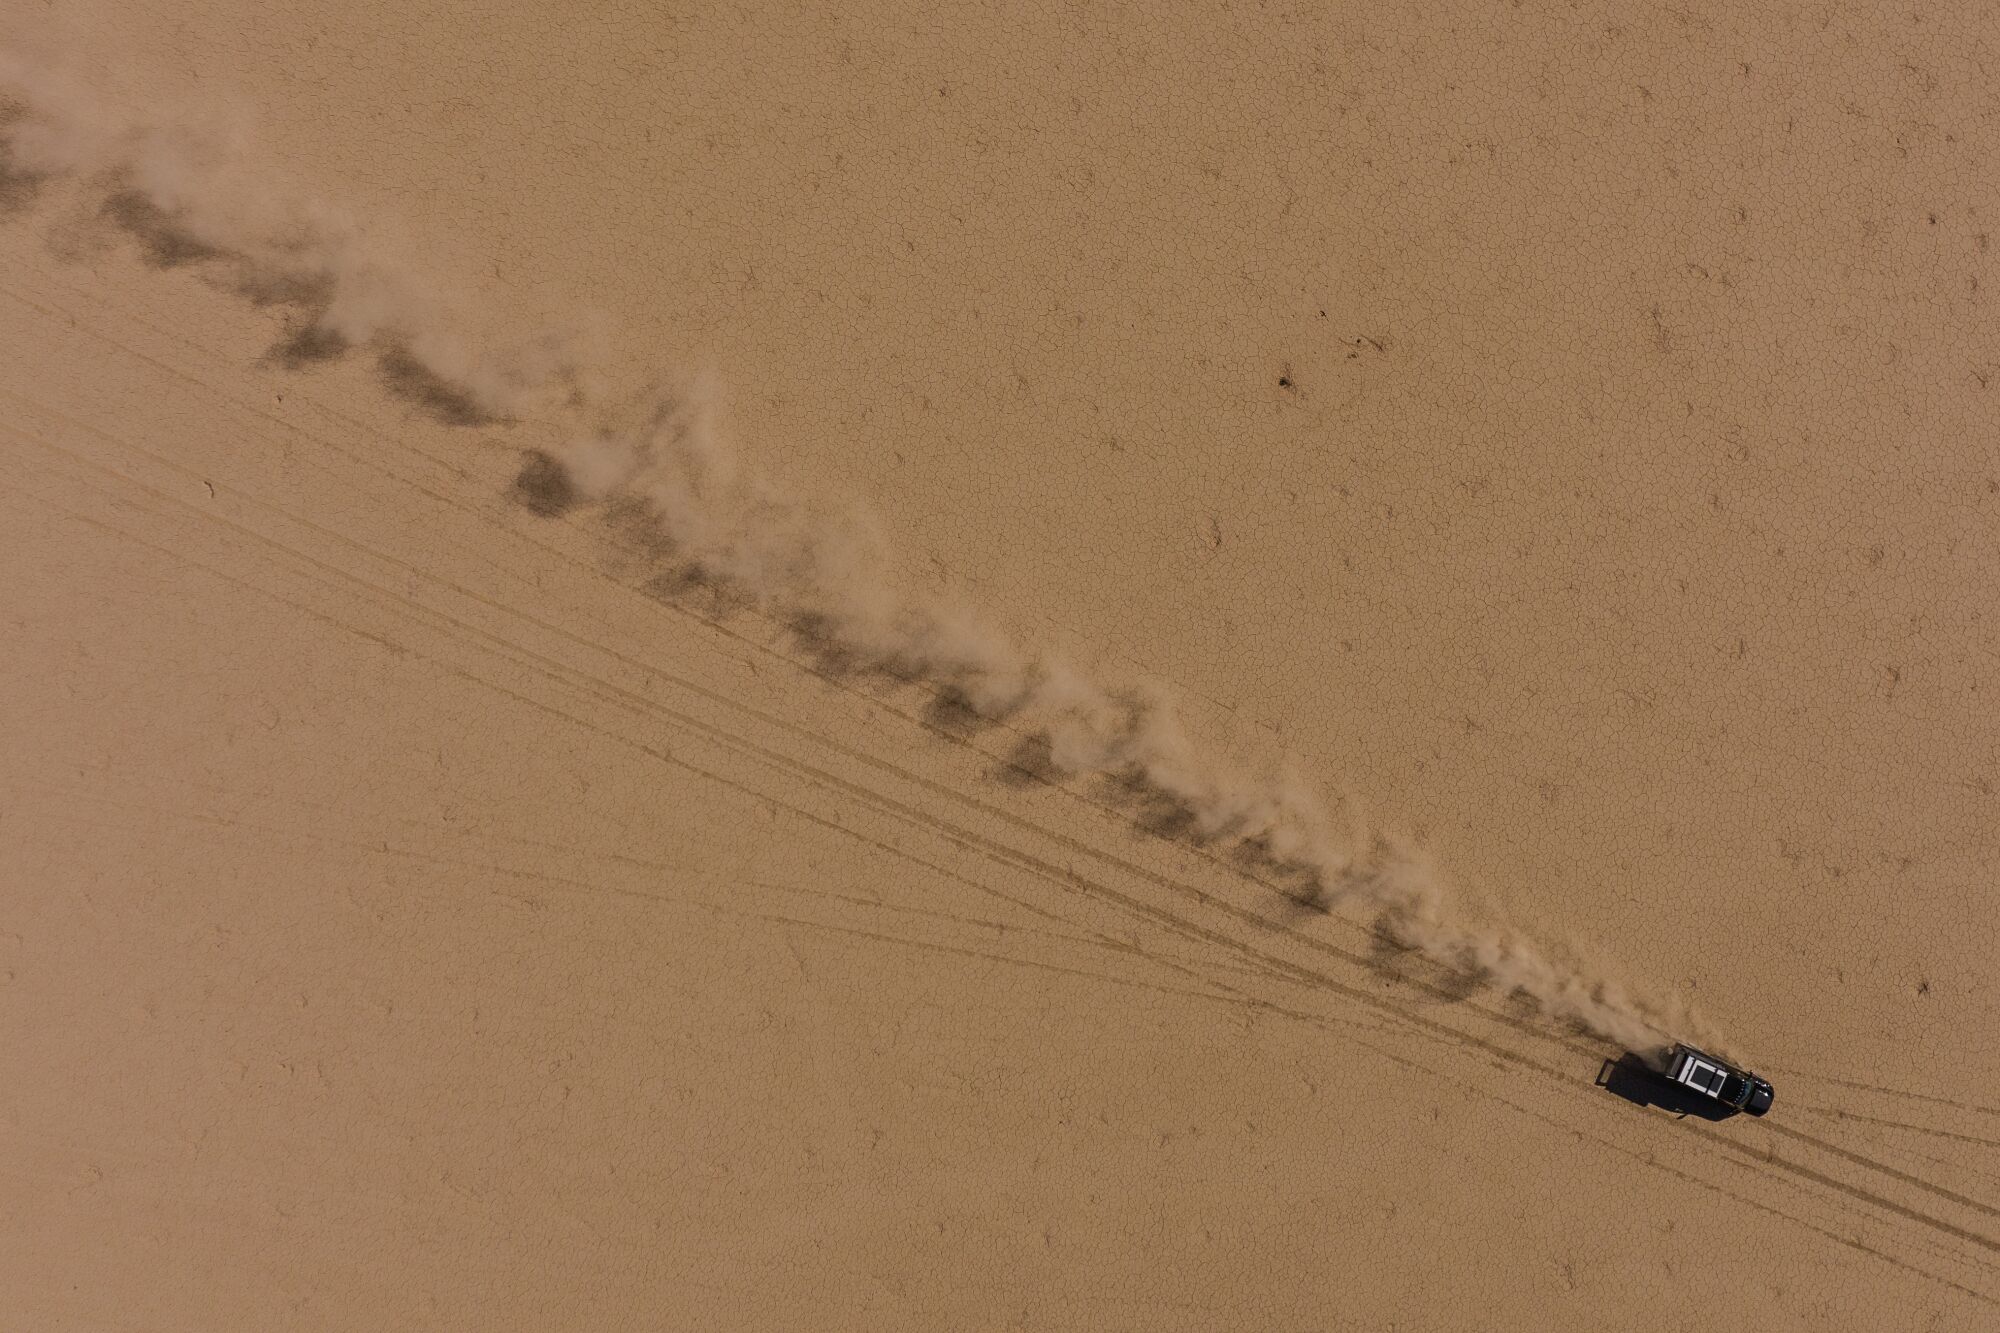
410 379
163 240
544 487
18 189
307 345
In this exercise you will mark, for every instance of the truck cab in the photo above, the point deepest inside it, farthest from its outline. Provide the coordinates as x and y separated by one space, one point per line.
1717 1079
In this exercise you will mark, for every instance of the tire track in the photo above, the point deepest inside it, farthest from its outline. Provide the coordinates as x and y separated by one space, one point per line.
533 661
957 833
1439 983
1292 971
1476 1090
1471 1089
1120 816
573 885
1061 875
1837 1114
1441 990
618 737
630 702
1318 1021
581 855
1901 1094
1208 901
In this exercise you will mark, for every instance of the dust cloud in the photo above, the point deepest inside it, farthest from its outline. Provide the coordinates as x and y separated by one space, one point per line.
659 458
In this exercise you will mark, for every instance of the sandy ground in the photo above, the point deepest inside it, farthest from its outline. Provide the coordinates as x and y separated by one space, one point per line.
1570 431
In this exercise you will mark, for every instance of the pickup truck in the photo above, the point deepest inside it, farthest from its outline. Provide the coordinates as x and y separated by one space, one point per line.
1733 1088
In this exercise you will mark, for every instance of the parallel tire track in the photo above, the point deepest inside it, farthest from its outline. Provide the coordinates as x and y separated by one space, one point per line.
610 692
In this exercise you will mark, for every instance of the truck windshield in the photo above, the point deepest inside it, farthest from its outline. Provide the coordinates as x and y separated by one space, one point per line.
1734 1089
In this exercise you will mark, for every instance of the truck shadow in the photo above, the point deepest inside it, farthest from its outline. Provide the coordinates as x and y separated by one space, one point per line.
1637 1082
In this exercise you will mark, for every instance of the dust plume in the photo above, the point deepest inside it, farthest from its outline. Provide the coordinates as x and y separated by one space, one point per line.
658 458
179 185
